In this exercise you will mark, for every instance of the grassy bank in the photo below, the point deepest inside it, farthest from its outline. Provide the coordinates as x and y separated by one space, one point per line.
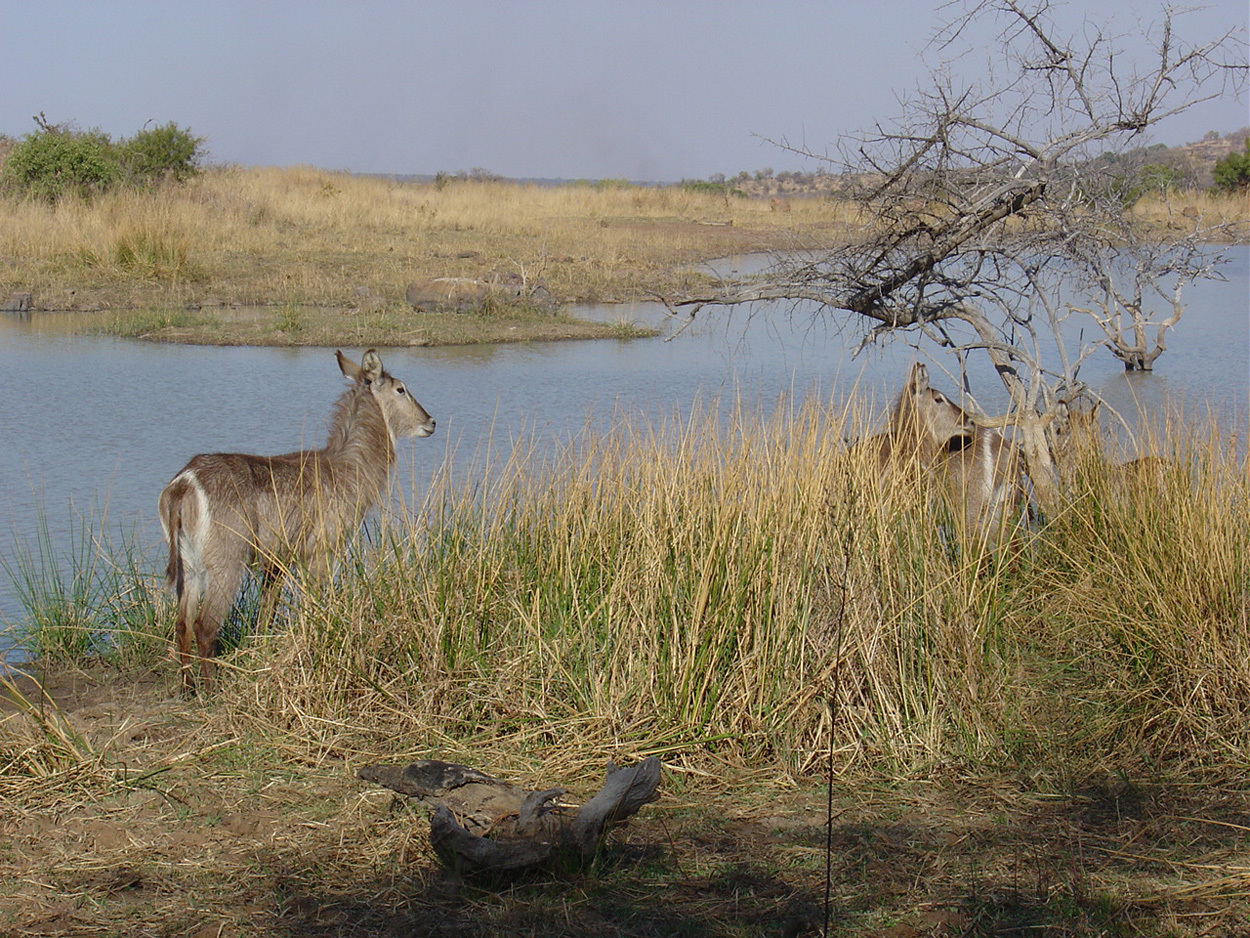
322 327
302 237
1055 737
305 237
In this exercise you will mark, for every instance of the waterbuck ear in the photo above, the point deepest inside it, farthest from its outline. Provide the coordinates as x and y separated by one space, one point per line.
371 364
918 378
351 371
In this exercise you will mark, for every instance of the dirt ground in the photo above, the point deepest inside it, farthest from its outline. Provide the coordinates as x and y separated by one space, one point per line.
182 824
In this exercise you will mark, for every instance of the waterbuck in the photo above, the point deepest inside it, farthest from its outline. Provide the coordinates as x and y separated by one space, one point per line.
932 435
983 475
922 423
1079 447
224 513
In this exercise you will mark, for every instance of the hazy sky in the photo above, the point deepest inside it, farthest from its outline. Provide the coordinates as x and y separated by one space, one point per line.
644 90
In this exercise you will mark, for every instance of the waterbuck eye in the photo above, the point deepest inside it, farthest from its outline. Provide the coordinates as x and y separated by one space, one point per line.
400 390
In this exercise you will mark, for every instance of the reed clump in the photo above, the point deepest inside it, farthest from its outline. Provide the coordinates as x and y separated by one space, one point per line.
735 588
1147 599
740 591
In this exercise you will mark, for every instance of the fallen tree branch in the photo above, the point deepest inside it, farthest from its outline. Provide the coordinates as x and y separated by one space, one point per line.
480 824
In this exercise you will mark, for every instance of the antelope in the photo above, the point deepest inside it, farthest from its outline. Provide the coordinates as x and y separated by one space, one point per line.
1078 440
983 472
922 423
980 469
226 513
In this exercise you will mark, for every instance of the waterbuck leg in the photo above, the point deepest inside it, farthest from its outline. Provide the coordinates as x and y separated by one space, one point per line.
271 578
187 614
214 606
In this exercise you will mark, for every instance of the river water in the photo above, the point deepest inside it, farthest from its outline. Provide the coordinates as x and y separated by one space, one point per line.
92 428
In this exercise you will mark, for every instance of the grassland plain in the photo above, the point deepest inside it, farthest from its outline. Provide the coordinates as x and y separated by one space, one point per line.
301 256
1051 739
329 255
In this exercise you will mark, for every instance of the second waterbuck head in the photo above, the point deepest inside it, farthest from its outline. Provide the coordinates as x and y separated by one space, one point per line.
224 513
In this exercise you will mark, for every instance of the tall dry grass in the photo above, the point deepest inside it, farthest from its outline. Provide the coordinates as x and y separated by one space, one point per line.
1184 210
738 589
303 236
700 589
1147 599
306 236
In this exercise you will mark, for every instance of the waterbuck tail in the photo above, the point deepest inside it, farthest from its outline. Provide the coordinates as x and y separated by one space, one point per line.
170 511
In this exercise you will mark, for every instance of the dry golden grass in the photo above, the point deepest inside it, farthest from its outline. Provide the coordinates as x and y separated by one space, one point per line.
1183 211
684 590
307 237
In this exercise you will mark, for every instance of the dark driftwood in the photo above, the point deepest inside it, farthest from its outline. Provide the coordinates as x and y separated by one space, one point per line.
481 824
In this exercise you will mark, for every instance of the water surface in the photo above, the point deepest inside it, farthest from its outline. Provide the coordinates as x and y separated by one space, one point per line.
92 428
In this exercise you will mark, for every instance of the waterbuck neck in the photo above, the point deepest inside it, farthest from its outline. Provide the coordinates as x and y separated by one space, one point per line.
908 433
359 435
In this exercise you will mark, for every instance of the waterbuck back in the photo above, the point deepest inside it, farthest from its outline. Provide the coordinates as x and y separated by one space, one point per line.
224 513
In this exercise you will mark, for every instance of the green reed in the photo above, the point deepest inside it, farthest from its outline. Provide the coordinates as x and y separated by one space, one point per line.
97 597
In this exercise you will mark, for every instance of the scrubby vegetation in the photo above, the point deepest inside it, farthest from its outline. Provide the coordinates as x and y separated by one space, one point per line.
1232 174
58 161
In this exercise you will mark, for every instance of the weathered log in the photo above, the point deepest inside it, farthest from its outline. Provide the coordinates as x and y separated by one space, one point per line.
478 799
480 824
623 794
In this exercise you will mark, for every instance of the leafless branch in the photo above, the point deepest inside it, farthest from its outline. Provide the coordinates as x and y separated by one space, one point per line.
989 207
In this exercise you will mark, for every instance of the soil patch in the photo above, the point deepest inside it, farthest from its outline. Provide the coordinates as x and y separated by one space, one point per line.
188 825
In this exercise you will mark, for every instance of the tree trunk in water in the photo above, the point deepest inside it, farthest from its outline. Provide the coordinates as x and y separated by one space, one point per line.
1041 466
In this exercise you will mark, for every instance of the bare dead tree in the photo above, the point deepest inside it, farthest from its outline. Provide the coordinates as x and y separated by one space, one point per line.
987 209
1134 289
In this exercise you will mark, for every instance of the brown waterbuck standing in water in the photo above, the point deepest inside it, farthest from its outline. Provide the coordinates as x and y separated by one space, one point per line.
227 512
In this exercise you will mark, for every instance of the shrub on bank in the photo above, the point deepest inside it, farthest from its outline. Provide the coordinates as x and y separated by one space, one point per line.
57 161
1232 173
159 153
